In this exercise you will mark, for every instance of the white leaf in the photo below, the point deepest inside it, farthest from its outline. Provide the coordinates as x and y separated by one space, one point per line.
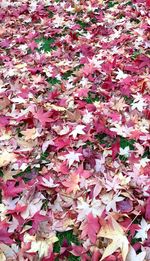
49 183
132 256
121 75
78 130
125 151
142 233
72 156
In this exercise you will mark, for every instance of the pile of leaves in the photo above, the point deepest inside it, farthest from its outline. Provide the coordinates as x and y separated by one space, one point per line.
74 130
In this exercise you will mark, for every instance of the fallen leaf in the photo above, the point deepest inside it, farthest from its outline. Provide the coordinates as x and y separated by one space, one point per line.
72 183
78 130
6 157
112 230
132 256
72 157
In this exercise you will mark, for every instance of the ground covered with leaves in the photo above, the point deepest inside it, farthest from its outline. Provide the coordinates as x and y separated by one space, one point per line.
74 130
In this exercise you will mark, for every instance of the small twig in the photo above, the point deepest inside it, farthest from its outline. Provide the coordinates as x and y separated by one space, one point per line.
132 221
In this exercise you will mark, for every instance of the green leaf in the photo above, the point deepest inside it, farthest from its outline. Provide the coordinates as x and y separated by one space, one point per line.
44 156
21 174
53 81
51 14
123 158
45 44
125 143
73 258
135 240
135 54
67 235
92 98
78 67
128 99
128 3
112 4
146 153
100 137
103 139
121 16
82 24
67 74
1 173
88 144
135 20
45 204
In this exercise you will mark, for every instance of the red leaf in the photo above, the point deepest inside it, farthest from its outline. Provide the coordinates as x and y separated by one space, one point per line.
115 148
4 121
125 206
43 117
4 235
147 210
148 3
10 188
92 227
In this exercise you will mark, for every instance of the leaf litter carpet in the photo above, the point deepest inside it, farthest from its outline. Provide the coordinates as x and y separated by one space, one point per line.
74 130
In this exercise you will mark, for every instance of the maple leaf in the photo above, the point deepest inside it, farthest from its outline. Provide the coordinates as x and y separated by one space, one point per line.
4 121
124 151
2 256
42 116
90 228
32 207
148 3
72 183
49 183
4 235
8 252
36 220
147 209
121 75
125 206
6 157
133 256
138 103
32 45
84 208
88 69
80 251
78 130
30 134
111 200
142 233
115 148
10 188
72 157
87 117
112 230
40 246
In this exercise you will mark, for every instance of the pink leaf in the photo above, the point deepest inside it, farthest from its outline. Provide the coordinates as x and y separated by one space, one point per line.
115 148
4 235
92 227
147 209
43 117
125 206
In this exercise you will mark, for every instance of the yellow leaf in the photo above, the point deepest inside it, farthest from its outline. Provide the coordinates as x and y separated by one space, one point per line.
54 107
20 65
40 245
6 157
112 230
30 134
9 172
2 256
